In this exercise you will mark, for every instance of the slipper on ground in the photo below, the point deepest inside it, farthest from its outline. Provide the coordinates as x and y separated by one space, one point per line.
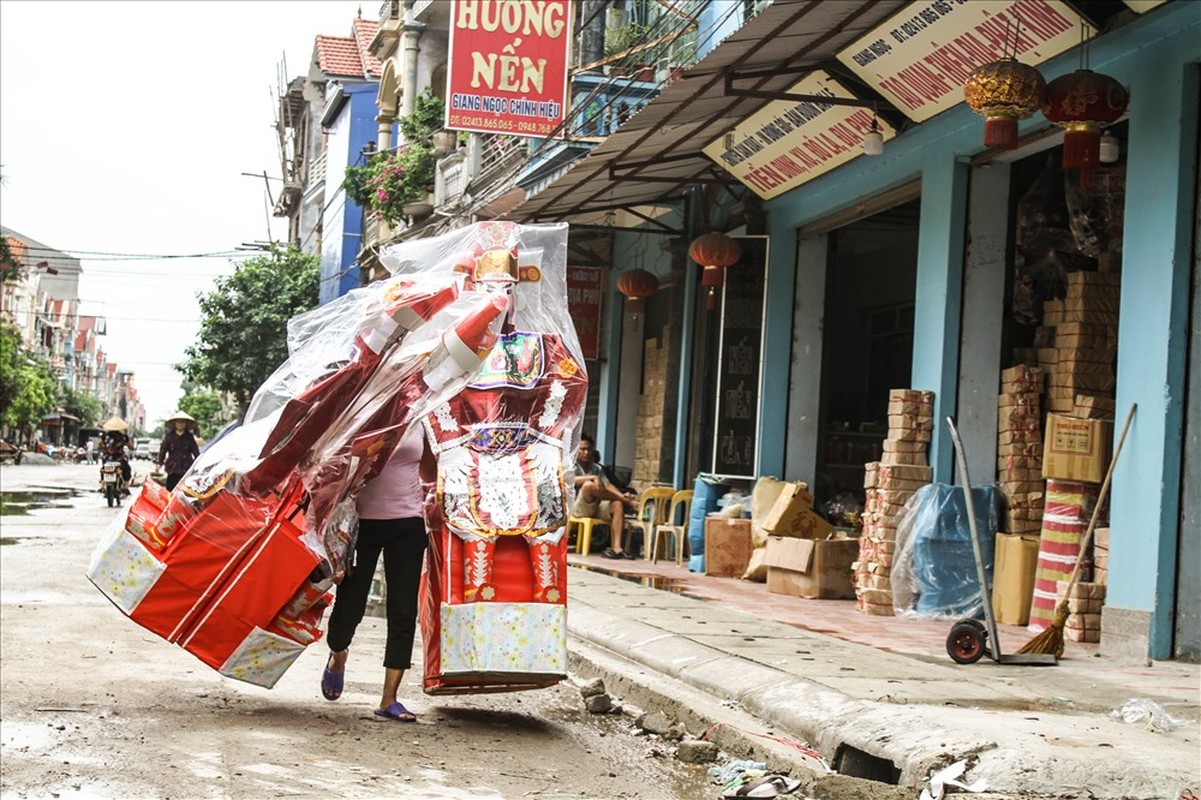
397 712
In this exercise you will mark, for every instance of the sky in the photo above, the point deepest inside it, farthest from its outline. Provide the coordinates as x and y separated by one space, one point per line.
125 128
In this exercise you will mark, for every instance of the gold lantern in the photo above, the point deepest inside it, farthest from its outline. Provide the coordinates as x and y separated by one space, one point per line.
1004 92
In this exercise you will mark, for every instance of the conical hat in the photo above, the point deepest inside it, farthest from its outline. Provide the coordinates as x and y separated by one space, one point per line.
185 416
115 424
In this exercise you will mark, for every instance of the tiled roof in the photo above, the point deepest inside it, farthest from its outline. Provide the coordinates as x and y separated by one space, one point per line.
347 56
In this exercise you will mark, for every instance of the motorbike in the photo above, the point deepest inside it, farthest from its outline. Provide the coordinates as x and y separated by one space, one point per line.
112 481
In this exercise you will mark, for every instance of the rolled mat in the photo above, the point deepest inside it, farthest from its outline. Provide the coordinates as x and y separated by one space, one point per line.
1065 519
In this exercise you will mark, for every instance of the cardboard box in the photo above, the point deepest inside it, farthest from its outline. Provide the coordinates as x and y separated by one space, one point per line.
793 515
809 568
1013 578
1077 449
728 546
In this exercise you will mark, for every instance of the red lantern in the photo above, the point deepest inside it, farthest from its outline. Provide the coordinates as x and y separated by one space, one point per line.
1004 92
714 252
637 285
1083 104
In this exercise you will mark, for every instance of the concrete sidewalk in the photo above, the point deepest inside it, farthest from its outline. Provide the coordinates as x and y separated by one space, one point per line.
891 706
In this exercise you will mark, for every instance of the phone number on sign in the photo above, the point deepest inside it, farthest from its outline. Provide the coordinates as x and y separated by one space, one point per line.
501 125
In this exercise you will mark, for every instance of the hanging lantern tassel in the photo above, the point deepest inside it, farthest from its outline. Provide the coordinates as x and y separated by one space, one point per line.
714 252
713 278
1083 103
1004 92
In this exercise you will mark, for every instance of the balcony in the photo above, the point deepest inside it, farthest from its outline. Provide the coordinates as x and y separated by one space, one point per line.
387 36
491 157
376 230
317 171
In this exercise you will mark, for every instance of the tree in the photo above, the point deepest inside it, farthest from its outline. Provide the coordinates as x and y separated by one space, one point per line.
12 356
82 405
244 320
35 397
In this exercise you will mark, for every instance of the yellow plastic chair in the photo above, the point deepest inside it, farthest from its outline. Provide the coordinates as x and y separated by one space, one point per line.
583 531
653 505
681 504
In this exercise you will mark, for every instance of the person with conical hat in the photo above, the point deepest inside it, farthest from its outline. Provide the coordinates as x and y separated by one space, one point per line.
115 445
179 448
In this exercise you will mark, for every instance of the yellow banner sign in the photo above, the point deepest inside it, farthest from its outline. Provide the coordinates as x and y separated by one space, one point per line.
1143 6
921 57
787 143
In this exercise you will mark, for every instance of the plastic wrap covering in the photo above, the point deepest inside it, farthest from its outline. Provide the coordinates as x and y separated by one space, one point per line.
493 611
471 339
934 573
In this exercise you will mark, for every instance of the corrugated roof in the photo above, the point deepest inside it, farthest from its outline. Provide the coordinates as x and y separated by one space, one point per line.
660 146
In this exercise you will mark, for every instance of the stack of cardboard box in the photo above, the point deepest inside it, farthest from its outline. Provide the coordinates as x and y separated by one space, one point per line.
1086 340
1084 612
1020 449
889 484
1101 556
804 555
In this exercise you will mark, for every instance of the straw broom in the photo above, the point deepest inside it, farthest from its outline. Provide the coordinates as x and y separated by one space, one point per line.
1051 639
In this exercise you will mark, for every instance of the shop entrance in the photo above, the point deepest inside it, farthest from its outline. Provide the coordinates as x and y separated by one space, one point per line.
867 343
1187 641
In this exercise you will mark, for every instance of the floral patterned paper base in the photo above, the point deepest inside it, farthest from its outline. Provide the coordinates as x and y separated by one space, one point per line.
504 637
122 568
262 658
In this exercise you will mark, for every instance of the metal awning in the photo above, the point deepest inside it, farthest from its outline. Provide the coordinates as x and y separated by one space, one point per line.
657 154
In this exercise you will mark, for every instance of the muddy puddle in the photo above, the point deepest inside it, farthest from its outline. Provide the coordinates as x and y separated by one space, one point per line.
18 503
661 582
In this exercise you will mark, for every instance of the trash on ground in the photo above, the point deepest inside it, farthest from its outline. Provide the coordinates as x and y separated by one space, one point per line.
1148 712
764 786
949 776
732 770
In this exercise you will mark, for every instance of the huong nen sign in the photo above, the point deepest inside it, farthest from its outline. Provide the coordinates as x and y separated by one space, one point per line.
508 66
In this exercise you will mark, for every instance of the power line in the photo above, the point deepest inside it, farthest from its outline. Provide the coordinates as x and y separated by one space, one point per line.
100 255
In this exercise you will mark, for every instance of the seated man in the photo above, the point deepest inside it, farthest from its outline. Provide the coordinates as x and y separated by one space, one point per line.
596 497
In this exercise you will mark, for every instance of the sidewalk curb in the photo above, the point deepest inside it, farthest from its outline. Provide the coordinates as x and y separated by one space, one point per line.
1019 752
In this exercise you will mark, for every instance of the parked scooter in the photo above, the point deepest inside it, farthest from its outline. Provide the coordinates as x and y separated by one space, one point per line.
112 482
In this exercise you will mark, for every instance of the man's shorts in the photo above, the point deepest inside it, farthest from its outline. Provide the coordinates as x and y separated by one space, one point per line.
597 509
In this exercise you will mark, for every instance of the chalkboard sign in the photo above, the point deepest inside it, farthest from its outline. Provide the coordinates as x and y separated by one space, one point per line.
736 432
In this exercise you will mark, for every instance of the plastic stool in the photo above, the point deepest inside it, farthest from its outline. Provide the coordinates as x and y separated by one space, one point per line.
583 531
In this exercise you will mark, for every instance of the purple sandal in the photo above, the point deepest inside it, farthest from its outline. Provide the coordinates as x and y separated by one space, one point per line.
397 712
331 683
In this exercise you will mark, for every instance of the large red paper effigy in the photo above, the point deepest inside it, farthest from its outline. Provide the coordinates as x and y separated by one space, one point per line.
470 339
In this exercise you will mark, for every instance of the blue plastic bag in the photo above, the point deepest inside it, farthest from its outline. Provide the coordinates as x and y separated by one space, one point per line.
707 491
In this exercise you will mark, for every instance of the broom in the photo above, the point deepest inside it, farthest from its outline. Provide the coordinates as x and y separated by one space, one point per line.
1051 639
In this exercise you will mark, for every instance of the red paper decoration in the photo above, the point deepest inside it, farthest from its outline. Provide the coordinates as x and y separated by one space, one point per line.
714 252
637 285
1083 103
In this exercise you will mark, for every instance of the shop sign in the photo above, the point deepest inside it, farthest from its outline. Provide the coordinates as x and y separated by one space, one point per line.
787 143
508 66
739 373
1143 6
585 290
921 57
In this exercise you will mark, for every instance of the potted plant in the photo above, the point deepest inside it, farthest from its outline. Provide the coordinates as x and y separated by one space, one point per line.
397 183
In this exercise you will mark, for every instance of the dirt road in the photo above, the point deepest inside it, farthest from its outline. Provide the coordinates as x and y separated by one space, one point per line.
95 706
